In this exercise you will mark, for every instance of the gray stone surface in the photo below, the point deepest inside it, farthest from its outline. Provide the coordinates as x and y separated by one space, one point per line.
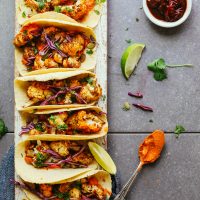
175 176
175 101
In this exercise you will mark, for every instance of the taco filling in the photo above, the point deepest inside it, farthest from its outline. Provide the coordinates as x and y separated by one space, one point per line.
65 123
62 92
52 47
87 188
58 154
76 9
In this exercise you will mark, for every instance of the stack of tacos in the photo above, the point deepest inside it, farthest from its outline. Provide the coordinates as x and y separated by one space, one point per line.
56 95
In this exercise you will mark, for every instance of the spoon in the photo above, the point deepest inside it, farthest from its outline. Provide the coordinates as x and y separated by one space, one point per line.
149 152
122 194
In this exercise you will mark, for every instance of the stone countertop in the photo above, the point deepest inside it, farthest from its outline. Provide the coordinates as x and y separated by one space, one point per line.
175 100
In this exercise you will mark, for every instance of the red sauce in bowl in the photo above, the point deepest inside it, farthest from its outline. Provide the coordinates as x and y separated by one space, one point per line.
167 10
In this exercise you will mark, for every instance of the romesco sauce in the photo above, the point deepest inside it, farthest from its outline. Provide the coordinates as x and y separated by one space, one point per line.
167 10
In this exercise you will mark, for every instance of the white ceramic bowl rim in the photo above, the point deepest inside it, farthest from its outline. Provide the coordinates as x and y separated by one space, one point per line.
167 24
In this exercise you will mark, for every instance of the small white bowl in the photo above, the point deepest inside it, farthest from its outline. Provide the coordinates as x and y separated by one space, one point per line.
167 24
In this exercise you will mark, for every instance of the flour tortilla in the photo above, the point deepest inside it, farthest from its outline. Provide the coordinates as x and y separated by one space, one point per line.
21 84
35 175
56 19
90 20
103 178
101 133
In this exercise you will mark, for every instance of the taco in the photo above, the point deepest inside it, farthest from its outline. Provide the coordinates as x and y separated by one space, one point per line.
92 185
50 161
74 124
45 45
86 12
56 90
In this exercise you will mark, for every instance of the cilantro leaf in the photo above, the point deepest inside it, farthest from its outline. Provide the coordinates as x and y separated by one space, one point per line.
62 127
3 128
24 14
89 52
97 12
128 41
57 9
160 75
40 159
178 130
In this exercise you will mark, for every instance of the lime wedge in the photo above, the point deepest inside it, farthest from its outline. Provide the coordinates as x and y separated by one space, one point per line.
102 157
130 58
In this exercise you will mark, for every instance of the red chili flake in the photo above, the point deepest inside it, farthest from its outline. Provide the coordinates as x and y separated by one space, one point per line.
143 107
136 94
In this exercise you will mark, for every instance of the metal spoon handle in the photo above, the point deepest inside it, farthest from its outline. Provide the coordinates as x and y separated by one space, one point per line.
122 194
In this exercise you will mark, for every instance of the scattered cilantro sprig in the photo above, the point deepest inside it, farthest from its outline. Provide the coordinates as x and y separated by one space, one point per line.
158 67
178 130
3 128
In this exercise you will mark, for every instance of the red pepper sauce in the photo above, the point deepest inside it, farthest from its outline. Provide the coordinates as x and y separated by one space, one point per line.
167 10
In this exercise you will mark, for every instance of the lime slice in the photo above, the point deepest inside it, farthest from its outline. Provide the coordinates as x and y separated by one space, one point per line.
102 157
130 58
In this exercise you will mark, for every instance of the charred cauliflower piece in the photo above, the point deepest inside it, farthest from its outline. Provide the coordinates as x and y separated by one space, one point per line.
37 94
60 147
26 35
46 190
38 63
93 189
65 187
37 6
85 122
74 46
58 119
75 193
90 92
84 158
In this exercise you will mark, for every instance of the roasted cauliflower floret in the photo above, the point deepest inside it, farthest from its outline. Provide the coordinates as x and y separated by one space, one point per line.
63 188
74 46
68 98
75 193
37 6
85 122
78 11
58 58
60 147
28 53
50 63
34 132
90 92
93 189
37 94
50 32
73 63
46 190
74 83
38 63
58 119
84 158
26 35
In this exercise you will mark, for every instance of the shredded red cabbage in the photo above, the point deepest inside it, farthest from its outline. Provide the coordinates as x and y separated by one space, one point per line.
85 198
26 129
53 153
143 107
53 47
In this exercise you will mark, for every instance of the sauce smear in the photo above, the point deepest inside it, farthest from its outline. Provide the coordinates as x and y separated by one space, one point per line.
150 149
167 10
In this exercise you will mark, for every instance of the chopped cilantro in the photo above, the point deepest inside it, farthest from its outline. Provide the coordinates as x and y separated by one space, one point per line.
97 12
103 97
24 14
57 9
126 29
52 118
89 80
128 41
126 106
40 158
3 128
39 127
178 130
62 127
89 52
35 50
68 9
137 19
64 196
